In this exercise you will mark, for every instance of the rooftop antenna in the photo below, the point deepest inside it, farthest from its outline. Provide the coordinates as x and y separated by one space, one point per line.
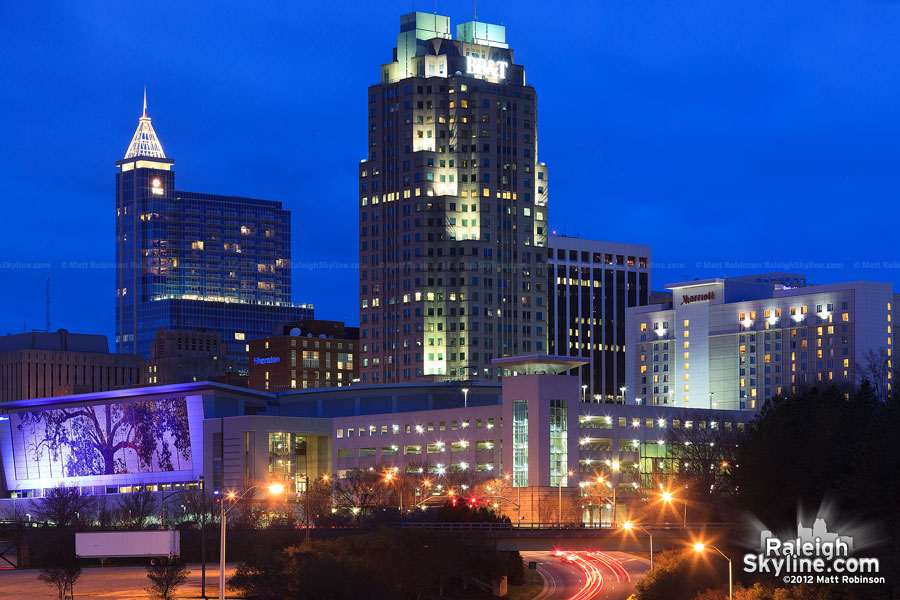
475 10
145 102
48 304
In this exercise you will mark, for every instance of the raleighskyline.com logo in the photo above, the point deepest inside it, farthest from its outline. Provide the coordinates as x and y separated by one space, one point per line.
814 556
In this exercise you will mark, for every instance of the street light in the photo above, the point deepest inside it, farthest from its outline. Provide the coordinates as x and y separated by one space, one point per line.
559 514
465 392
628 525
699 547
615 488
275 489
623 389
584 393
668 498
388 478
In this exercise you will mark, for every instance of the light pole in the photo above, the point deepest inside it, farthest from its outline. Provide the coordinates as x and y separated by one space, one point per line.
628 525
623 389
559 514
510 478
699 547
465 392
615 488
275 489
668 497
388 478
308 519
584 393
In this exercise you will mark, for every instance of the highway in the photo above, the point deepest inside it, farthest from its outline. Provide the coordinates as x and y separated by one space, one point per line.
587 575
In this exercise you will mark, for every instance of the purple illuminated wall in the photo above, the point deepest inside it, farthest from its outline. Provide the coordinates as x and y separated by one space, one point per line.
147 436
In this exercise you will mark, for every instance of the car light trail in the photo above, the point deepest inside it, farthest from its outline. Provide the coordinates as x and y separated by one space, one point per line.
613 564
593 580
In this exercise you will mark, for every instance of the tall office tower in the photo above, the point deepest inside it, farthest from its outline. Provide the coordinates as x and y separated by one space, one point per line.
187 260
452 208
594 282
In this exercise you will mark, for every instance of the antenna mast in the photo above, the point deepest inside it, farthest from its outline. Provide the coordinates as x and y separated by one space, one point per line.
48 304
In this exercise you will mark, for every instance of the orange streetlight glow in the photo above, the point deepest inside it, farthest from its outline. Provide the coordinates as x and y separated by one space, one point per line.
700 547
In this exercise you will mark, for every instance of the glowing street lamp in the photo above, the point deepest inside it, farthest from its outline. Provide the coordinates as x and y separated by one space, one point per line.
700 547
559 514
465 392
275 489
628 525
668 498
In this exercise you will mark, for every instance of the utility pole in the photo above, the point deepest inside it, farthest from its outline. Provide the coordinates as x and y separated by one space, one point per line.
308 519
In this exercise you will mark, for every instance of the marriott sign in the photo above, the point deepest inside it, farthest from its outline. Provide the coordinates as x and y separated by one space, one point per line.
688 299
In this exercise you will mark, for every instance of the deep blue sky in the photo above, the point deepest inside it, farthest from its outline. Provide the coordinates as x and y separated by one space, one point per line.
713 130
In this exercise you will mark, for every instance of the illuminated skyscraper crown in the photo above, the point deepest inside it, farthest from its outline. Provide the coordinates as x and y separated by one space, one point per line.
145 143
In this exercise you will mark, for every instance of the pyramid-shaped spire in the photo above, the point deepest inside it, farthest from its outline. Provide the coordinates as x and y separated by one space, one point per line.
145 143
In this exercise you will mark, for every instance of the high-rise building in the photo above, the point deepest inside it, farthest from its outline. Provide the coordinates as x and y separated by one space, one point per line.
306 354
188 260
452 208
185 356
733 343
39 364
593 283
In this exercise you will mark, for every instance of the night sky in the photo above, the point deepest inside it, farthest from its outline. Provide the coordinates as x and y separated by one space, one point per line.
715 131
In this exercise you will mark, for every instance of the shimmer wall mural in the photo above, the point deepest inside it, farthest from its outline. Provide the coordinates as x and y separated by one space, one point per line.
103 439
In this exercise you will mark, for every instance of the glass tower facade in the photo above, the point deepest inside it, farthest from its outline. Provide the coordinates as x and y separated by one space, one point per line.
188 260
452 209
520 443
559 443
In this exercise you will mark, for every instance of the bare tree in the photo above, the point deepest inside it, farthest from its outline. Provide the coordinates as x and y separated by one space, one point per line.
105 515
320 500
137 509
546 510
703 451
877 371
200 506
62 578
360 491
250 515
14 512
165 578
64 506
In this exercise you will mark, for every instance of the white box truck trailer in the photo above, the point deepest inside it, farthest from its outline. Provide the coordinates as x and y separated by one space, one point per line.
116 544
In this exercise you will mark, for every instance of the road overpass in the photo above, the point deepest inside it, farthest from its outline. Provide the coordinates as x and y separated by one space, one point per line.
578 536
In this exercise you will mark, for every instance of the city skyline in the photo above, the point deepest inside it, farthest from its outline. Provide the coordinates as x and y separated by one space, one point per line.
190 102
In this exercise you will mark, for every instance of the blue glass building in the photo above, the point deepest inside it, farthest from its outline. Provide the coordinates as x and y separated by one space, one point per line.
187 260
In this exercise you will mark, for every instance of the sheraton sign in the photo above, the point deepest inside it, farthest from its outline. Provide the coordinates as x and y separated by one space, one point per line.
689 299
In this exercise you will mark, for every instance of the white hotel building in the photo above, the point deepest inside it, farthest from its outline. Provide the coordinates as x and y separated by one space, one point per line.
731 343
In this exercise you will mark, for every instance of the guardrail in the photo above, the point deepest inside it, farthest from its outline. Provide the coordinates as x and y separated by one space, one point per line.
512 527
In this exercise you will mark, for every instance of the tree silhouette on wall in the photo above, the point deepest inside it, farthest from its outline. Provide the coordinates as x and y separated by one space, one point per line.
106 439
